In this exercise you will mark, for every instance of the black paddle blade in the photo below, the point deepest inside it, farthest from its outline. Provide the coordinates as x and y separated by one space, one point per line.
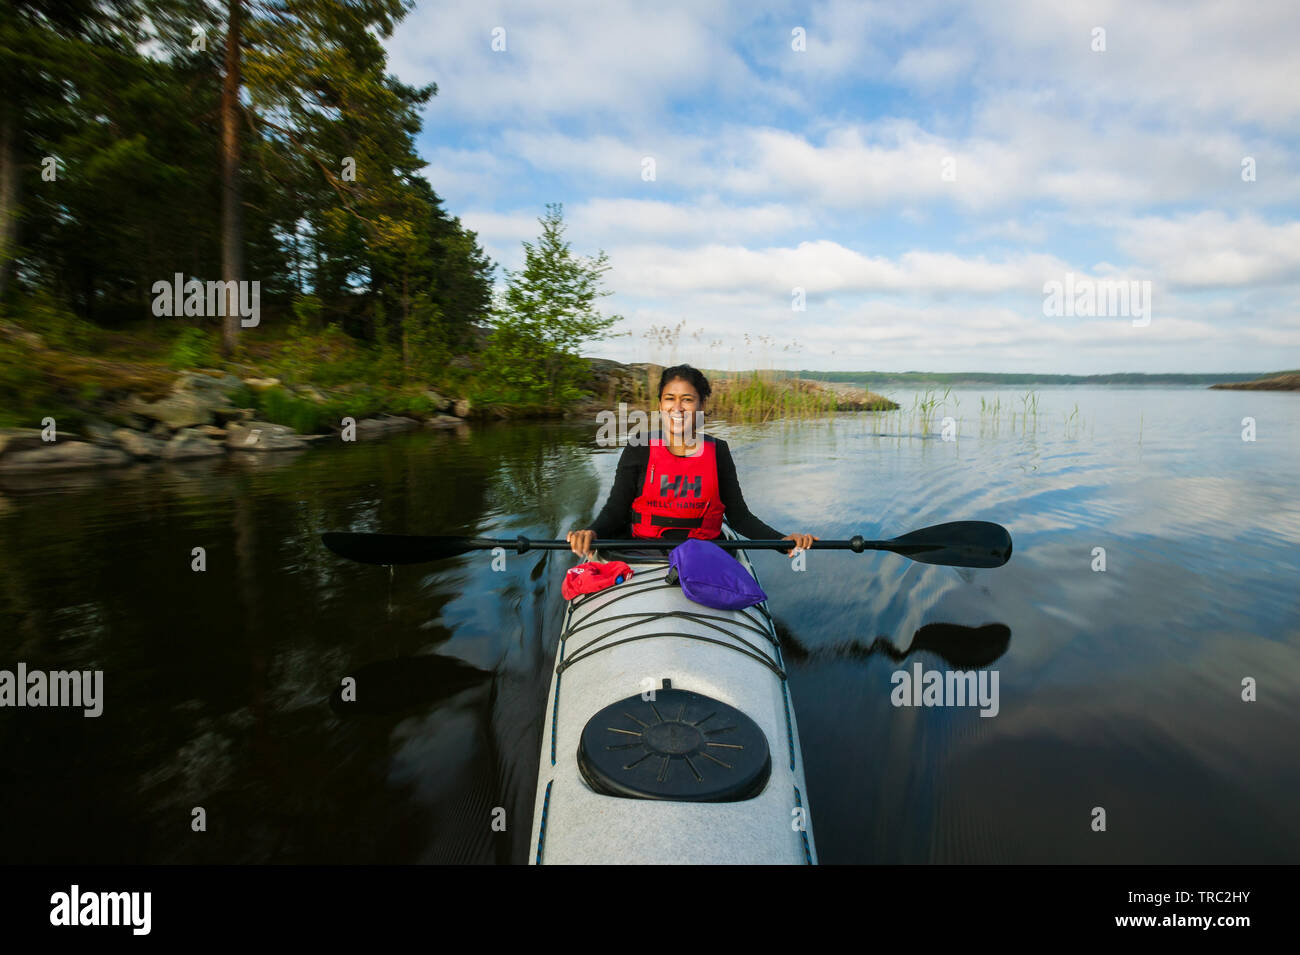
956 544
393 548
965 648
389 686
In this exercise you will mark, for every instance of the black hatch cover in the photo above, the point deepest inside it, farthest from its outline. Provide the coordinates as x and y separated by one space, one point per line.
679 746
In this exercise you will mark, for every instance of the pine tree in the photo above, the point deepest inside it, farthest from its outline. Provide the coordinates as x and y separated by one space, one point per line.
547 313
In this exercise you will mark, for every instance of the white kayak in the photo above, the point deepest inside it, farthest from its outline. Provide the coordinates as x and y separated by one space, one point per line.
670 737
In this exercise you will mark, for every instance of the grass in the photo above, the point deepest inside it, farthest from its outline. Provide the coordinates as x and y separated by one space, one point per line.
929 410
53 364
757 394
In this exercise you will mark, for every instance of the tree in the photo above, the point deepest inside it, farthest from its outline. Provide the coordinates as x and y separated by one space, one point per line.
547 313
232 222
42 42
240 139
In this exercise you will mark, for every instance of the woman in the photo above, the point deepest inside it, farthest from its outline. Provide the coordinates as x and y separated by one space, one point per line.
682 484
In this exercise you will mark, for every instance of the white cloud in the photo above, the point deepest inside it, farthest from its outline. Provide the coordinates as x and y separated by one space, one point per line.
931 66
462 175
822 169
822 267
570 59
1209 250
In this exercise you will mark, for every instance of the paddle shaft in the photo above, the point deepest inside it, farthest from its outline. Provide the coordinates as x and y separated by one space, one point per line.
523 544
958 544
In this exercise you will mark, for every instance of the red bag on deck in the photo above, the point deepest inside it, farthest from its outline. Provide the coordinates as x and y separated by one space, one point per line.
590 577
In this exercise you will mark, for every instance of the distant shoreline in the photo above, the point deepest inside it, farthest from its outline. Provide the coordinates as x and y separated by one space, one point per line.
883 378
1284 381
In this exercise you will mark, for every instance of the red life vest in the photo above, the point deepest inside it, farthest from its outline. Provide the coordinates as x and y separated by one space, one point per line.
679 492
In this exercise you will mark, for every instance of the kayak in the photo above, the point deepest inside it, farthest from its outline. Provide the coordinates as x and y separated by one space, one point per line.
669 735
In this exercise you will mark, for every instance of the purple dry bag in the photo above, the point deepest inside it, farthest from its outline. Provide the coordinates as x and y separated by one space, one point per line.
711 576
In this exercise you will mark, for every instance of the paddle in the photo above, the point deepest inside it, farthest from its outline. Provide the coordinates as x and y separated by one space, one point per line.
955 544
961 647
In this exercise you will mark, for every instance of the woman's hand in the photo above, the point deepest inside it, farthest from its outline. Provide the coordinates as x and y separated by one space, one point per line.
580 542
801 542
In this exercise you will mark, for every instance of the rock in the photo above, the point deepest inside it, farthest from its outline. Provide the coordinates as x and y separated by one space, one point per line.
311 393
64 455
189 443
212 431
263 436
587 408
139 445
262 384
23 439
223 416
183 409
120 415
387 424
611 382
196 398
444 421
438 401
219 383
99 432
461 408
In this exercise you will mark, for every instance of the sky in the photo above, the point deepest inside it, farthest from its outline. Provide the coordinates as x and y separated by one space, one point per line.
889 186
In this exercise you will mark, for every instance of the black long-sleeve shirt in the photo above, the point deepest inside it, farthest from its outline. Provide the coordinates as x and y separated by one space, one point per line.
615 518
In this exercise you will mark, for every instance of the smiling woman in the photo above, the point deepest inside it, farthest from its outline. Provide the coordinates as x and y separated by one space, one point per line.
682 484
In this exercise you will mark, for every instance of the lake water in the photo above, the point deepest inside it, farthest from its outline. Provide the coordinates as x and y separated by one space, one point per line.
1119 689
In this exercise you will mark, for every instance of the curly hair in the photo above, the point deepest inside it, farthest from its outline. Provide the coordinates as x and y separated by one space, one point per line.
686 373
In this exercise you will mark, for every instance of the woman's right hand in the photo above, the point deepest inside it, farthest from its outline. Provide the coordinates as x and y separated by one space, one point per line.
580 542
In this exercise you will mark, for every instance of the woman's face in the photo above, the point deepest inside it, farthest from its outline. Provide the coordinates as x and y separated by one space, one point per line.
678 403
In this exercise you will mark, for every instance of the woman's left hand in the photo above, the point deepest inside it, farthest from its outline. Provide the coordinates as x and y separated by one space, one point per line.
801 542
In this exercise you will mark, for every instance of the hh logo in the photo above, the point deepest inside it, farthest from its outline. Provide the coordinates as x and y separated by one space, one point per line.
680 486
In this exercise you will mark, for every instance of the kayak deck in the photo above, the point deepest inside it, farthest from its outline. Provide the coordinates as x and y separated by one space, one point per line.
624 642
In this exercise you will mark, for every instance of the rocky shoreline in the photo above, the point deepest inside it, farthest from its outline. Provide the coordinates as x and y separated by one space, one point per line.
203 416
198 419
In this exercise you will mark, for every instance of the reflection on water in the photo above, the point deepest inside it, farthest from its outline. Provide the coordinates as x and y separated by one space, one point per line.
1120 688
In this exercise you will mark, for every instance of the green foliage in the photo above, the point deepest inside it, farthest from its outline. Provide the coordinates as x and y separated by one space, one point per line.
278 406
56 325
306 313
138 192
194 348
411 405
243 397
546 314
326 357
24 390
